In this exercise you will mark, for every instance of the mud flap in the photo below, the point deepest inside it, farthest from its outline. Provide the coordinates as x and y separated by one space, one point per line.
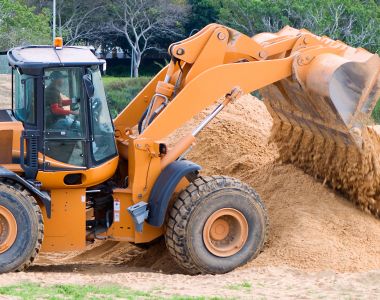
45 198
164 187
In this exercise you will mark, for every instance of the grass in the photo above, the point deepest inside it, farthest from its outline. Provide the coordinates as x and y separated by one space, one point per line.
68 291
243 286
376 112
121 90
34 291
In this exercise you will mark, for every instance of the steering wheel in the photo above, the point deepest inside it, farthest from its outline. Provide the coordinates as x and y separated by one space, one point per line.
76 123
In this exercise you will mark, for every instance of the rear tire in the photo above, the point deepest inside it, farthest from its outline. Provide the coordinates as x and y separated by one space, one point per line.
216 225
19 206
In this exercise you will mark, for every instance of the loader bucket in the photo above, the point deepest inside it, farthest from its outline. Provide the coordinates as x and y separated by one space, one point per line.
322 122
332 95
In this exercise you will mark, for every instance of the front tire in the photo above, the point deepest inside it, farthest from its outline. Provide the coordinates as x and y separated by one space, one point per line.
21 228
216 225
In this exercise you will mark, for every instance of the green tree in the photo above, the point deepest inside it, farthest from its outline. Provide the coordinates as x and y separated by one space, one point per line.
355 22
20 25
143 22
203 12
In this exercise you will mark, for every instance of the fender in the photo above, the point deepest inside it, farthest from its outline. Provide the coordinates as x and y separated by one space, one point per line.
164 187
45 199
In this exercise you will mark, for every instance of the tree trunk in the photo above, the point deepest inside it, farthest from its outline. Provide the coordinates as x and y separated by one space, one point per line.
135 71
136 64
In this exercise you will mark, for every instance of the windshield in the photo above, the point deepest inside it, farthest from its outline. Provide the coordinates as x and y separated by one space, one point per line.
103 145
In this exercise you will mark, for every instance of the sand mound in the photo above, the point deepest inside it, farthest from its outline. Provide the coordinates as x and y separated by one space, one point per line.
312 228
355 171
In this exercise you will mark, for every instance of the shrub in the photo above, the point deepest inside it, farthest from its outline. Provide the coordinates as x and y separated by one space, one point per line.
120 91
376 113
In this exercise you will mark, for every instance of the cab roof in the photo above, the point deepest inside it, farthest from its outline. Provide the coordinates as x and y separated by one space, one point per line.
48 57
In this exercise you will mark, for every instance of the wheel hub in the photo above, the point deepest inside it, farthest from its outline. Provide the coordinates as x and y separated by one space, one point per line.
225 232
219 229
8 229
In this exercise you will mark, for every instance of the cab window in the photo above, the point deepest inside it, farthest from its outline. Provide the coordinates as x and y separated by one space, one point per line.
103 145
24 103
5 82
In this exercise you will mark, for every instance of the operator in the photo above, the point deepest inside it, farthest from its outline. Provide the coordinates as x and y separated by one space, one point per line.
60 117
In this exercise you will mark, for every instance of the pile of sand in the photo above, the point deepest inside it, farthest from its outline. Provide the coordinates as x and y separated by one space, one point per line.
311 134
353 169
311 227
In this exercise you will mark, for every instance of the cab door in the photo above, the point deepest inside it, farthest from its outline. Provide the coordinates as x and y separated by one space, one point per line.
65 123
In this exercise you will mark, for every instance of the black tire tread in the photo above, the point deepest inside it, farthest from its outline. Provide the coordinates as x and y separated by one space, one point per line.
20 192
186 203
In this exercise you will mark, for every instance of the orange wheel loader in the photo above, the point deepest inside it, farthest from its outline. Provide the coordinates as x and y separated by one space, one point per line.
70 174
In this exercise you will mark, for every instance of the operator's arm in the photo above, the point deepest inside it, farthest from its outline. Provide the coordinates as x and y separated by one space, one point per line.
64 100
56 109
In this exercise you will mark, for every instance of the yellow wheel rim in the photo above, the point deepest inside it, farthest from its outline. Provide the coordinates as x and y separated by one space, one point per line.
8 229
225 232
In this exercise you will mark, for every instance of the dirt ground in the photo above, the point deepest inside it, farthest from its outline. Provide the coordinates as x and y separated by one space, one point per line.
320 245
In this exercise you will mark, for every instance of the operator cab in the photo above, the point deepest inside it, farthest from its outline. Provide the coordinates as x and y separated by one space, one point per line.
59 97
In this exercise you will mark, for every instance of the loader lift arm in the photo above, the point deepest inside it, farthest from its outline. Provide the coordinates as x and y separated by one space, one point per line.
203 69
210 64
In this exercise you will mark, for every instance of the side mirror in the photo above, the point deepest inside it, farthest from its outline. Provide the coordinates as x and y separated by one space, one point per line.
88 85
